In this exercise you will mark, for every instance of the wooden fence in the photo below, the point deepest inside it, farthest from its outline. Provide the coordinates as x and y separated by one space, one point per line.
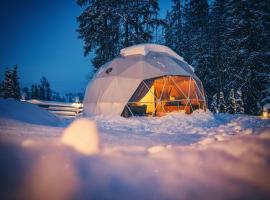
61 109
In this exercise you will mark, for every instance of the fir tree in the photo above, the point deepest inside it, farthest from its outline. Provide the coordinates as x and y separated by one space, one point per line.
26 93
44 89
34 91
2 89
107 26
99 28
16 86
186 46
214 104
48 92
173 30
217 73
239 102
11 87
231 102
196 37
8 84
222 104
248 50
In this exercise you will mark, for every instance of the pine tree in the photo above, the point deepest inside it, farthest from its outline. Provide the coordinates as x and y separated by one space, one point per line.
99 29
231 102
16 86
34 91
214 104
248 50
44 89
1 89
107 26
173 30
48 91
26 93
196 37
8 84
11 87
222 104
239 102
217 68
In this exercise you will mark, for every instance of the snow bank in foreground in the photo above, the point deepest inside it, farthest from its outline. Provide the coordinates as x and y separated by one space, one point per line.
238 168
198 156
25 112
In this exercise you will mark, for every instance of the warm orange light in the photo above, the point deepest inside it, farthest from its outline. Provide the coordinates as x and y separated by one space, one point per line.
265 114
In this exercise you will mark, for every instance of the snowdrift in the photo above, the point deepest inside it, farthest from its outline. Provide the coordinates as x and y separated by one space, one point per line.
25 112
179 156
232 169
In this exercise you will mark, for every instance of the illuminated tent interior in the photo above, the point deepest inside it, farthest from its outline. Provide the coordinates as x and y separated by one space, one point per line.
161 95
144 80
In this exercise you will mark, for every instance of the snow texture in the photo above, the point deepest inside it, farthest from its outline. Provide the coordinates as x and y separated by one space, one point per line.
26 112
82 136
198 156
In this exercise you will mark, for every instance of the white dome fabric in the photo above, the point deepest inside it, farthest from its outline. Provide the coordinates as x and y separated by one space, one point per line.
144 49
116 81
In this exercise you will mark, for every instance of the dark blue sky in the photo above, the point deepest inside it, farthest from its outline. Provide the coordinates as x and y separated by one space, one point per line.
40 36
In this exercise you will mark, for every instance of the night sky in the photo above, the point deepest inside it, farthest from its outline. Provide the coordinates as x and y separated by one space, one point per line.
40 36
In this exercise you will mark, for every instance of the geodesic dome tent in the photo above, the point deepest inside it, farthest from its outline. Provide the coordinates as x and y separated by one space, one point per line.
146 79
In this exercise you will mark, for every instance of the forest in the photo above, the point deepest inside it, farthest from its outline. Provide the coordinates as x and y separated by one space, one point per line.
226 41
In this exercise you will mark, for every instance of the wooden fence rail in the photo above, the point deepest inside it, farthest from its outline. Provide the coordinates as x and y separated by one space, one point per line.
61 109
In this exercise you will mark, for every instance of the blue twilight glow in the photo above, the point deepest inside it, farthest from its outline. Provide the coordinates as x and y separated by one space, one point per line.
40 36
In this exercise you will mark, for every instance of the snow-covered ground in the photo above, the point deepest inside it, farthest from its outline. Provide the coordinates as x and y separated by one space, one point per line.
198 156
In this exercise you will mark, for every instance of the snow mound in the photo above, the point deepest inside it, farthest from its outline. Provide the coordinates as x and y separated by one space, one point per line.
173 123
83 136
26 112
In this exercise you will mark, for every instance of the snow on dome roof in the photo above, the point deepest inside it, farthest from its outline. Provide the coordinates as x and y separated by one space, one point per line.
266 106
143 49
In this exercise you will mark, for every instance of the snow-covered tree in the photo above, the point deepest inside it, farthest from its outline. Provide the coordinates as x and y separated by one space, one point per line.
221 103
239 102
231 102
1 89
34 91
217 69
214 104
107 26
247 50
8 84
11 87
26 93
196 48
44 89
186 47
174 30
16 86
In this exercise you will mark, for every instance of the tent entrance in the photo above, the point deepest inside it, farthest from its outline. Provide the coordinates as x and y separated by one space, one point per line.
156 97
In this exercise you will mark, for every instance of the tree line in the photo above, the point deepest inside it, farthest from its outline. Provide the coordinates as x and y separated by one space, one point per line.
227 43
10 88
